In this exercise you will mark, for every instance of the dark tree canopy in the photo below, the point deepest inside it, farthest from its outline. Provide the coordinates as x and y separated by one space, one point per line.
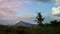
39 19
55 22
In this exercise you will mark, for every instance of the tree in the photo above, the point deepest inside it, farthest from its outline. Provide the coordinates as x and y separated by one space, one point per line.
55 22
39 19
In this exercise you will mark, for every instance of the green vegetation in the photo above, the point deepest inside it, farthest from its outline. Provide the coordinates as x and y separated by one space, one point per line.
52 28
46 29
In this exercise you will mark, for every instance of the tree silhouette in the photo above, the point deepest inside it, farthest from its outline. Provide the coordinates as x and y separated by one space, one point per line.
55 23
39 19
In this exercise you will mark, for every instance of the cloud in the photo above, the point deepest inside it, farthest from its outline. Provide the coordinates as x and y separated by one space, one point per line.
56 12
45 1
7 6
54 2
57 2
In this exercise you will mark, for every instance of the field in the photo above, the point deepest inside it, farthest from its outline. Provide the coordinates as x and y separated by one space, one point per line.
46 29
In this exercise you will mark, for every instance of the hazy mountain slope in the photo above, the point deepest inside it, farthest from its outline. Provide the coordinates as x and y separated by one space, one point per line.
22 23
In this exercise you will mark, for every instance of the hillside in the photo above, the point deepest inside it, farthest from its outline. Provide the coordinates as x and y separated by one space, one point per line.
22 23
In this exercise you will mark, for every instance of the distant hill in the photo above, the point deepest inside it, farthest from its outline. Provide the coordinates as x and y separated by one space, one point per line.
22 23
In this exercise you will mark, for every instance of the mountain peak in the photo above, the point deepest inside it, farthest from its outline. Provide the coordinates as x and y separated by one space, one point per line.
22 23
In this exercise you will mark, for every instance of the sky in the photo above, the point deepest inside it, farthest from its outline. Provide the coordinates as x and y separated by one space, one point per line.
16 10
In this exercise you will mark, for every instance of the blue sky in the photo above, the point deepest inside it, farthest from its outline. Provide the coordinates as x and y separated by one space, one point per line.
33 8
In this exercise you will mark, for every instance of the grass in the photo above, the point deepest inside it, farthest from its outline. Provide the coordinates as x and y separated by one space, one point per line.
30 30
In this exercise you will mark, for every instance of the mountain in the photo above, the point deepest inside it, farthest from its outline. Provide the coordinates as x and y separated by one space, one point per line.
22 23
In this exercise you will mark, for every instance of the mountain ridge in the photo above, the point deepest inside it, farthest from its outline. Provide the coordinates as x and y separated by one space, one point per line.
22 23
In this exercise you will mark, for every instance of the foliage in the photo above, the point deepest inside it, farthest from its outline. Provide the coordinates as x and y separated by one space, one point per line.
39 19
55 23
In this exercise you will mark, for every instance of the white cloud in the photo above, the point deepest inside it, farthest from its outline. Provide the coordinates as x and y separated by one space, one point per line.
56 10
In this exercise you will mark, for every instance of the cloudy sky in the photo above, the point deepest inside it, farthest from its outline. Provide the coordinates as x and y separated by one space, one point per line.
12 11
